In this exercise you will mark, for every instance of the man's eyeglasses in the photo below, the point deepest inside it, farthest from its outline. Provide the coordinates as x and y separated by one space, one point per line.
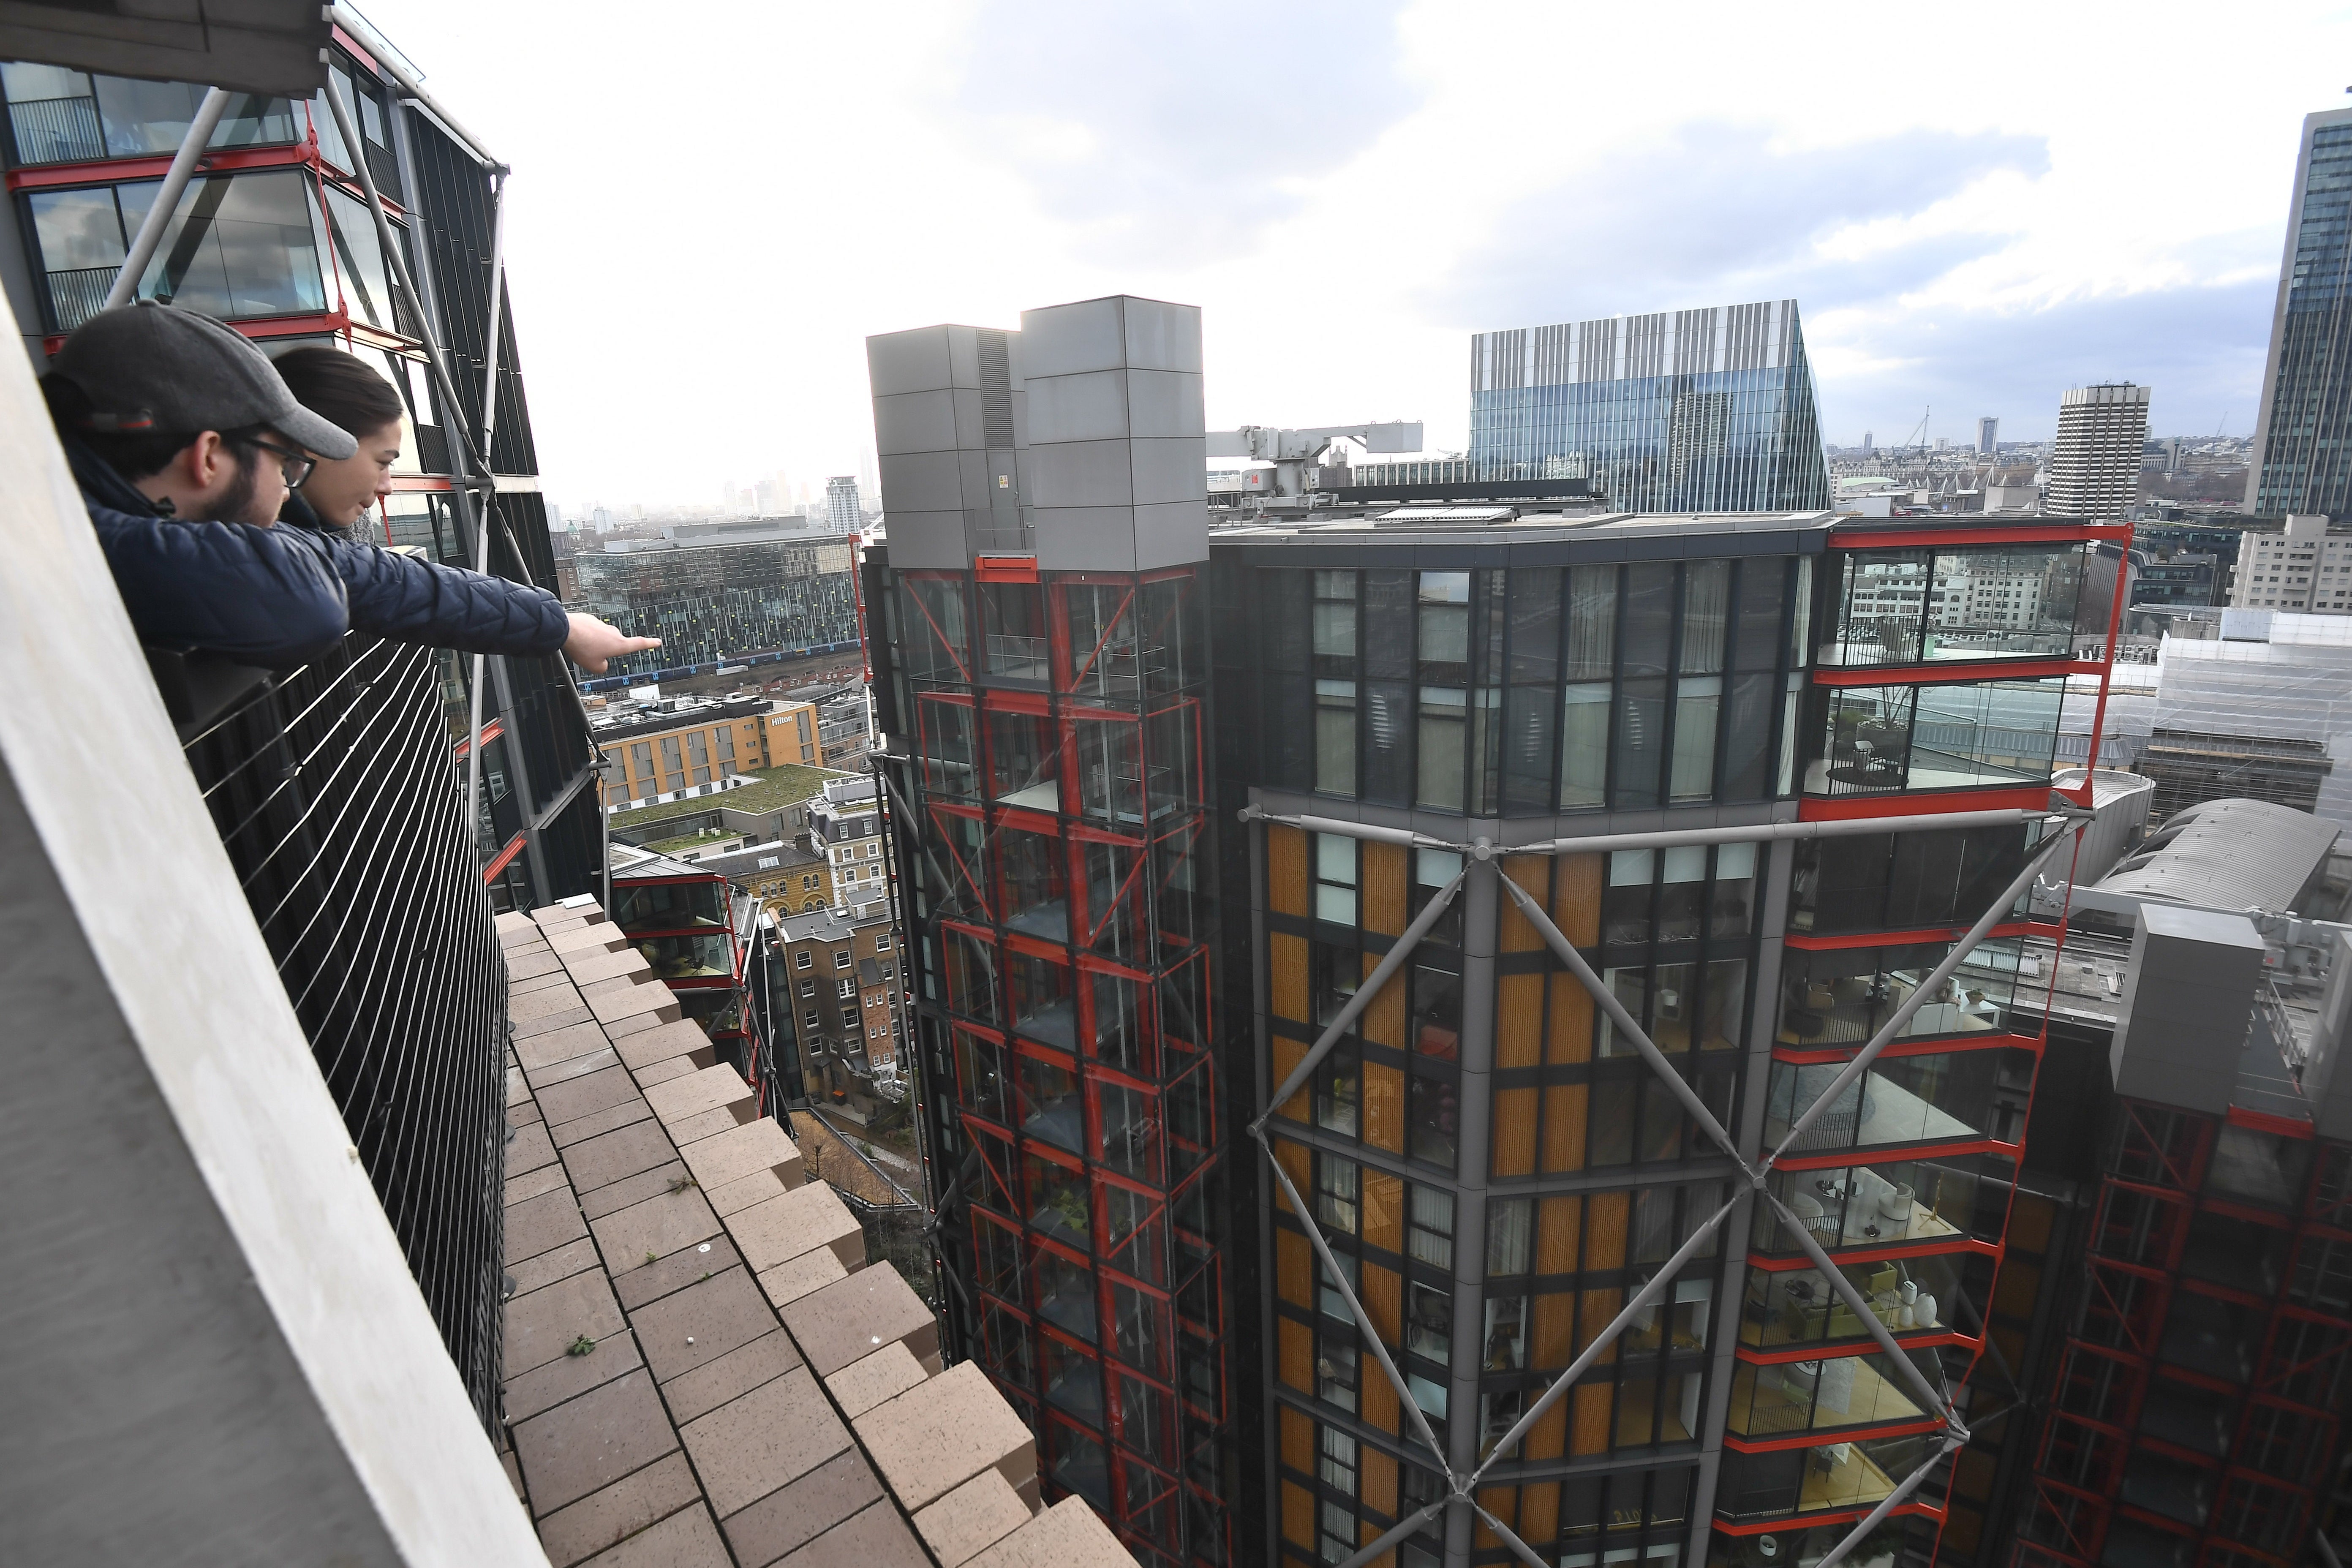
295 466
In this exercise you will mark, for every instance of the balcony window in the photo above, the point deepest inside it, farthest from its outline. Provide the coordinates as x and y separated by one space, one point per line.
1014 646
1780 1398
1032 894
1962 1097
1859 1473
937 646
1904 881
688 957
238 246
1874 739
1057 1203
1906 1296
1940 1200
1841 997
668 905
61 116
1958 602
1066 1293
1043 1009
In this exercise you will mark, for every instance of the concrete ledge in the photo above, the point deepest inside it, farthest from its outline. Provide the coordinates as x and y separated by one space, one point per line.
971 1519
931 1439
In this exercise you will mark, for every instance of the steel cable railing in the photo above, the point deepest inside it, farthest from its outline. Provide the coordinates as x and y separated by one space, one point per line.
336 795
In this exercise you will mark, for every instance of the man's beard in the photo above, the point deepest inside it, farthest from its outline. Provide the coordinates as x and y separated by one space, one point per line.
233 506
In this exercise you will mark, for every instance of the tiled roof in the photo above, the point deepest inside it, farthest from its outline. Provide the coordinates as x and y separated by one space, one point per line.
699 1368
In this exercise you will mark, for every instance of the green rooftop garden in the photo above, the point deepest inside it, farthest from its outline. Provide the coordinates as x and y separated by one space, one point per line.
777 786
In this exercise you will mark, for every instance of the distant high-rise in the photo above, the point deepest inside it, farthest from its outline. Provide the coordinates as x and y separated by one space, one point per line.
2303 434
2095 470
1706 410
1869 444
1988 435
841 513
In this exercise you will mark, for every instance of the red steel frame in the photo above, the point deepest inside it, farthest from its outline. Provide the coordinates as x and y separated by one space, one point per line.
1151 1283
2138 1238
1906 804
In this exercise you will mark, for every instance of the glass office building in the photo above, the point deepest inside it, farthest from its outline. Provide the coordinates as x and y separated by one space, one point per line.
1706 410
712 602
2304 424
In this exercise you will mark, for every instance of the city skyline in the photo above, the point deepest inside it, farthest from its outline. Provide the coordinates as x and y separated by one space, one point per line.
1969 252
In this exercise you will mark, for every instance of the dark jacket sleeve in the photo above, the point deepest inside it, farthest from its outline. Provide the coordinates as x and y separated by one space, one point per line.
260 596
409 599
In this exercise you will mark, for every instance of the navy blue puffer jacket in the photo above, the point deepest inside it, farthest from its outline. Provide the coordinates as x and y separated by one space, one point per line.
276 597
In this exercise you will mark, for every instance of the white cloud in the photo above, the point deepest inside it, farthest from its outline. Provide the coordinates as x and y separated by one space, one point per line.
1978 205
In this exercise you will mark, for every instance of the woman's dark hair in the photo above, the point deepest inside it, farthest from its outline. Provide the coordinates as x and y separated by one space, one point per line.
338 387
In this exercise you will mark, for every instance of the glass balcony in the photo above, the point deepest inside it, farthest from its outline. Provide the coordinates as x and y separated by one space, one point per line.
1908 1296
1888 1202
1874 739
710 957
1954 1098
1904 882
1843 996
668 905
1852 1475
1778 1399
1957 603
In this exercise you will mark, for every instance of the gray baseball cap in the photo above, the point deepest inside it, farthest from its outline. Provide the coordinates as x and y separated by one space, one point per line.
155 367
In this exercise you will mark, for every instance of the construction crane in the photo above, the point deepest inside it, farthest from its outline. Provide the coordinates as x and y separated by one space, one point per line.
1293 452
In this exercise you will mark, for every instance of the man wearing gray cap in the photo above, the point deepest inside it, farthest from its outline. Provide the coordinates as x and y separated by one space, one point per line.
184 442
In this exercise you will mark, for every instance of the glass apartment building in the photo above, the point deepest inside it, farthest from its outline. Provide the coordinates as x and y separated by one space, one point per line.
273 236
1715 761
2304 429
716 601
1706 410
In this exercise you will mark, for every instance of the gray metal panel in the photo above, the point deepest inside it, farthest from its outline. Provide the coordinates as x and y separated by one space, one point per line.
1173 535
1165 402
912 361
964 356
1169 471
1087 539
927 539
915 422
1162 336
2180 1026
1081 473
1091 406
1065 340
920 481
971 421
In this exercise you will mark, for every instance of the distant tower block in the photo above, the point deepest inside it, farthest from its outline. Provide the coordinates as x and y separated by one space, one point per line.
1987 435
2095 470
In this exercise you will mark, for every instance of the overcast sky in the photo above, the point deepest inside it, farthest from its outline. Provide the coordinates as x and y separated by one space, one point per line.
1976 206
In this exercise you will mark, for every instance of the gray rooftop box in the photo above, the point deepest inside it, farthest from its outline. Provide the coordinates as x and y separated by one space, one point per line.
2186 1005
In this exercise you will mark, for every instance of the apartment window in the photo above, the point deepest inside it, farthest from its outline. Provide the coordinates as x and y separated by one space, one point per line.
841 959
1335 1538
1431 1238
808 1020
1336 878
882 943
1338 1467
238 246
1335 682
1336 1184
802 959
808 989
